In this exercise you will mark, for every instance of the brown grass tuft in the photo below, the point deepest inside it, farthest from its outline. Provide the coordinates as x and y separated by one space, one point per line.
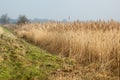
1 31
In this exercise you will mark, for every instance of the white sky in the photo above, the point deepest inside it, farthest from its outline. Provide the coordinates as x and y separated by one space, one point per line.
60 9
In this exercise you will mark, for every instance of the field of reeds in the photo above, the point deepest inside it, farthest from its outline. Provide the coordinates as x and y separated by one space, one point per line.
87 42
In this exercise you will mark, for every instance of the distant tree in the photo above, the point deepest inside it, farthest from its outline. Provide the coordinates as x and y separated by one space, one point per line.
4 19
23 19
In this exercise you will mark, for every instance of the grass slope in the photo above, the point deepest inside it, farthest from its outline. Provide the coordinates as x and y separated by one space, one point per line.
20 60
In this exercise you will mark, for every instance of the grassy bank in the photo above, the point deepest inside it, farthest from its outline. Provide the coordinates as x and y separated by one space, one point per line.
20 60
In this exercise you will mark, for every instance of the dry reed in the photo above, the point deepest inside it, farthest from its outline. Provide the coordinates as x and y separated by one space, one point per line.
87 42
1 30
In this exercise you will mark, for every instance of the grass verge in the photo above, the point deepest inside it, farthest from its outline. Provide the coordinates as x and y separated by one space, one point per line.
20 60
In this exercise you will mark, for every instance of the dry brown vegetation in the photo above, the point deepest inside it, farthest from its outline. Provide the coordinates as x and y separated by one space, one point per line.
1 31
86 42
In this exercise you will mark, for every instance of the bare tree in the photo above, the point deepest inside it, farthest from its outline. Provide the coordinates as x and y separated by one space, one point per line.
23 19
4 19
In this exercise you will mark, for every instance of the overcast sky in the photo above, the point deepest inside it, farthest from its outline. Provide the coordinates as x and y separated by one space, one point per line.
60 9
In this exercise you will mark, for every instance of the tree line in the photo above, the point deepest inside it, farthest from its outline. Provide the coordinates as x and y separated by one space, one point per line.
22 19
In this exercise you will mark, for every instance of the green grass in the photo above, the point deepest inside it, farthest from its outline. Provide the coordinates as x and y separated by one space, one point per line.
20 60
